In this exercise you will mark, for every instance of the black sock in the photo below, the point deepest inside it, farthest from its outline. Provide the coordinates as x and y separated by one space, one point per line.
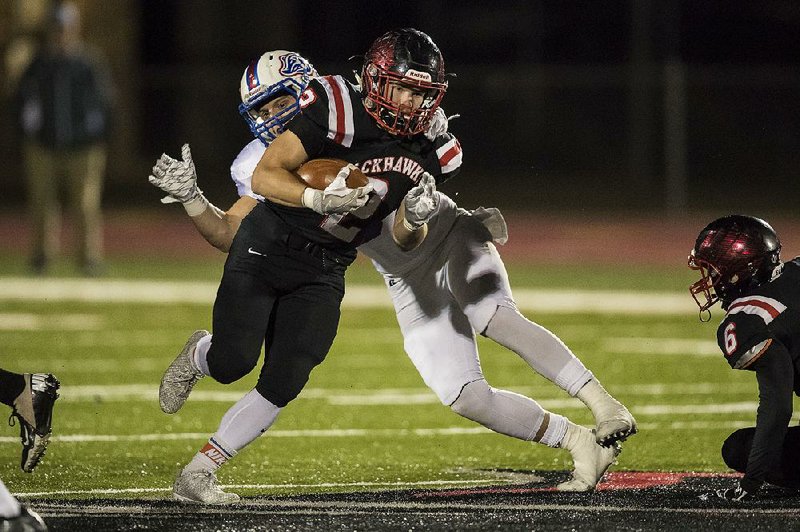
11 385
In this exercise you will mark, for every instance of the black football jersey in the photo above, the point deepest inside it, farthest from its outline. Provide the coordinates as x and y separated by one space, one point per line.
334 124
766 314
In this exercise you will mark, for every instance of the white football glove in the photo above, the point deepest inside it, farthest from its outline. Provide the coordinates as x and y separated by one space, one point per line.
177 178
337 198
439 124
421 202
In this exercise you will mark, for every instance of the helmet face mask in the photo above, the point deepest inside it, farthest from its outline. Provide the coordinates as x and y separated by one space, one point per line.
410 59
275 74
733 255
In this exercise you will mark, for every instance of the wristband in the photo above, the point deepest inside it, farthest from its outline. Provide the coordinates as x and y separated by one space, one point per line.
196 206
411 227
307 199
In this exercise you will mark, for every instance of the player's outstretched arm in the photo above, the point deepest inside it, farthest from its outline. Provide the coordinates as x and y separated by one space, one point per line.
178 178
218 227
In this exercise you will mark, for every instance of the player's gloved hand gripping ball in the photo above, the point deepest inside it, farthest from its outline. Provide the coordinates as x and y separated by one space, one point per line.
329 193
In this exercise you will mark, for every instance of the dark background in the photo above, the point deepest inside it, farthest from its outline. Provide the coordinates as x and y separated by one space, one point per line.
629 105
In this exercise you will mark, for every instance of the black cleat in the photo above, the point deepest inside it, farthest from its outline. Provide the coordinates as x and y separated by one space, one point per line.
26 521
33 409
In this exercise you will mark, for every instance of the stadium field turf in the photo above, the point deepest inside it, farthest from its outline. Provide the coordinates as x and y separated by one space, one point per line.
365 424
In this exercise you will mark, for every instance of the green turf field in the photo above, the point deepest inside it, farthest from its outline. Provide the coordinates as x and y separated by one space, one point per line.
365 419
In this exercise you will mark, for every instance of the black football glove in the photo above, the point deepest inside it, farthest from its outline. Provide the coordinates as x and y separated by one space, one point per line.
736 494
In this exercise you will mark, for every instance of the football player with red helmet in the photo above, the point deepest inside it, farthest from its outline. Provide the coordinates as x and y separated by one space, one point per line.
284 278
436 307
738 258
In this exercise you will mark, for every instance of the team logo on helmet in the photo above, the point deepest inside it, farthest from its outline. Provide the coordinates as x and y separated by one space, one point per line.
292 65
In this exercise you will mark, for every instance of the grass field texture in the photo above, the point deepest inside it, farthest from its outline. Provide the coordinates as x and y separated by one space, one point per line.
365 419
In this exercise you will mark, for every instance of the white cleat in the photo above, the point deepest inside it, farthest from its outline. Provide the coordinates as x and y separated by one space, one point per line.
616 427
180 377
200 487
591 461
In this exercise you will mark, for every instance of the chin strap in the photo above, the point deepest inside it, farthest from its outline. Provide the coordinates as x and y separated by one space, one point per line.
707 314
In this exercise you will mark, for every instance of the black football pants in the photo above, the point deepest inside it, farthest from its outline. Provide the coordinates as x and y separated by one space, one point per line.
279 291
785 473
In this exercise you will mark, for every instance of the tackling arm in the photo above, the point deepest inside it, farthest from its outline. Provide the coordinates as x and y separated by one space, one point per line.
218 227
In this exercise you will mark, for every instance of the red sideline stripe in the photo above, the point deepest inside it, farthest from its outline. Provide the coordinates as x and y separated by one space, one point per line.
449 154
337 100
756 303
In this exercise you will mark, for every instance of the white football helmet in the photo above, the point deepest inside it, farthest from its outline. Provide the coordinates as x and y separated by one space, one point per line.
276 73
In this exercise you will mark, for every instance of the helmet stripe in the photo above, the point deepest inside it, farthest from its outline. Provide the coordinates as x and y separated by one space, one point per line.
252 74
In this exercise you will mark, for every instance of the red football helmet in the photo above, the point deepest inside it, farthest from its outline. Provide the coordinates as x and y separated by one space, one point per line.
733 254
411 58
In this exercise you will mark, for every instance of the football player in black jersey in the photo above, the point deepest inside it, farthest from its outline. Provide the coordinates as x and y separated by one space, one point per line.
283 280
738 258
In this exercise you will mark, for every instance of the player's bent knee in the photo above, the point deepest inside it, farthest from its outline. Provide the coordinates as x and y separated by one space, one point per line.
736 448
473 400
226 370
279 398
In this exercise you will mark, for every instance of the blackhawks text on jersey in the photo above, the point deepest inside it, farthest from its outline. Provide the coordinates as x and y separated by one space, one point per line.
333 123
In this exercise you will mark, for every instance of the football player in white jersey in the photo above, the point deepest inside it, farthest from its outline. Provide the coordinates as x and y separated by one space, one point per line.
449 286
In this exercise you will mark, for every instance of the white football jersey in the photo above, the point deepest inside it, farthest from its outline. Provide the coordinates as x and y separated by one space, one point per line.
386 255
243 167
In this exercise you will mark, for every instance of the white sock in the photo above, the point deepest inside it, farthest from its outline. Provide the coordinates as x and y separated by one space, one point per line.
245 421
248 419
213 454
540 348
509 413
9 506
200 352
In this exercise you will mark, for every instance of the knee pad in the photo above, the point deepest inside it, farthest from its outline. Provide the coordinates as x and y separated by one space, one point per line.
228 369
474 400
736 449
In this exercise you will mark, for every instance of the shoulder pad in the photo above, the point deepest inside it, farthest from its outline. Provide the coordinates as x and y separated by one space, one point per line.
743 337
327 102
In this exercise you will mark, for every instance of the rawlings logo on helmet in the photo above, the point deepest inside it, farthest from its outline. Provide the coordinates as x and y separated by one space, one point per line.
416 74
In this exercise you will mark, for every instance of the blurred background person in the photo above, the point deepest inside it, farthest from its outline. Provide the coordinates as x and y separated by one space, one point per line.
62 102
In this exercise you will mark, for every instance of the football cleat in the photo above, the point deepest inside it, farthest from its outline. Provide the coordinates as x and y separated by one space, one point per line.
26 521
200 487
33 410
617 427
180 377
590 459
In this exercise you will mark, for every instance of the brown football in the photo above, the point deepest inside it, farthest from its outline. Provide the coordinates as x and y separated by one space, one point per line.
319 173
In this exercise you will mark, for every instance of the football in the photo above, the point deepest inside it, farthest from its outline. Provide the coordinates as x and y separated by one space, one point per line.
319 173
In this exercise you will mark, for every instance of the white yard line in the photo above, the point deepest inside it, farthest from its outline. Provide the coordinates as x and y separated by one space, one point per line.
373 433
408 396
357 296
